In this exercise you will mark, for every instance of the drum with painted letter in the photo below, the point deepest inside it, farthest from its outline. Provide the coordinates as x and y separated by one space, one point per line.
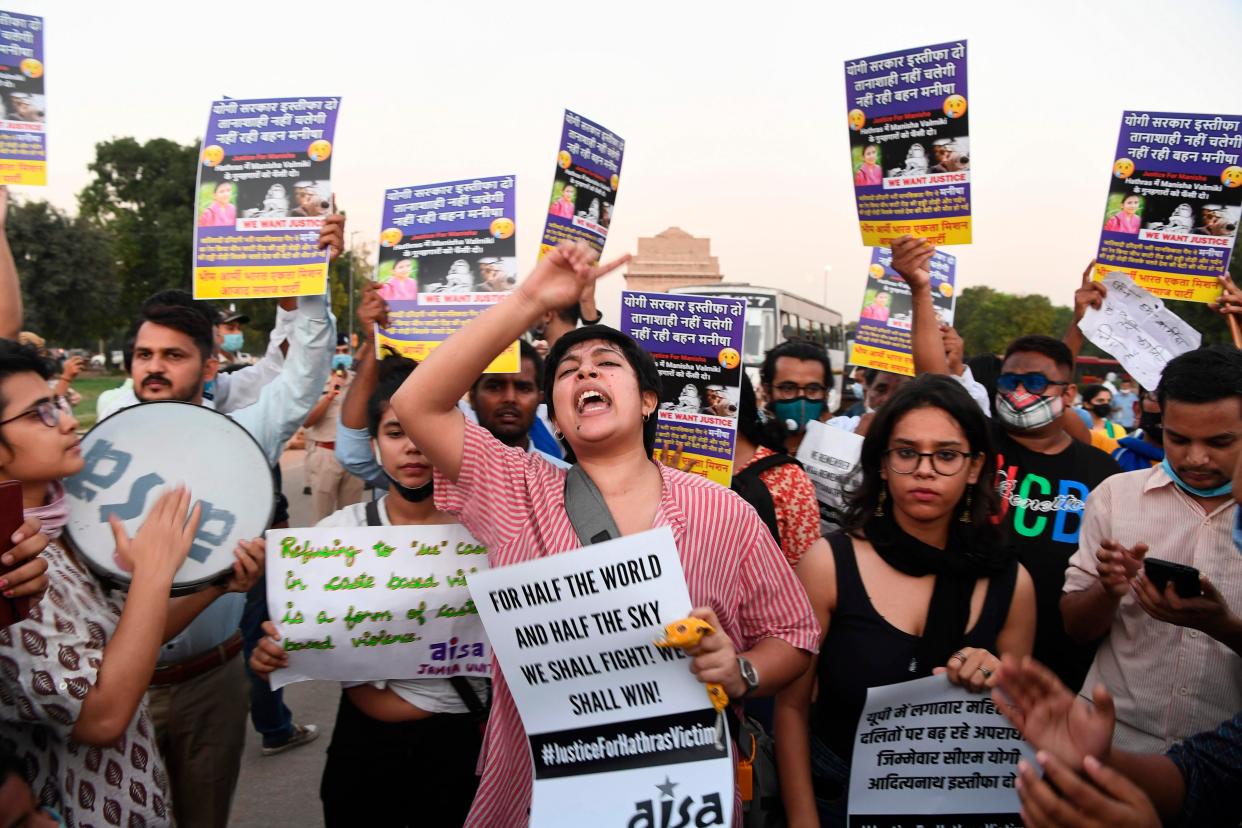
138 453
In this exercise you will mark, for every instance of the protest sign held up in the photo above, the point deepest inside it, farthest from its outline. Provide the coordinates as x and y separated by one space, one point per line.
882 340
830 457
910 144
447 251
696 342
264 187
584 187
928 749
1174 201
23 66
374 603
619 729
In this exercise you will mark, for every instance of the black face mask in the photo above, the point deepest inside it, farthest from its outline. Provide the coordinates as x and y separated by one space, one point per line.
415 495
1102 410
1152 426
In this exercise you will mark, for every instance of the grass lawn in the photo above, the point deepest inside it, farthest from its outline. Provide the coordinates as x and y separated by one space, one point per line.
90 387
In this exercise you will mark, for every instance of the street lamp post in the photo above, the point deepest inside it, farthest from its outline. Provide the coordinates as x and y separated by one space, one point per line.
350 259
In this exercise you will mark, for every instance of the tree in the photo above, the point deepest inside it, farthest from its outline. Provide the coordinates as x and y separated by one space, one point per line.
988 319
68 277
142 197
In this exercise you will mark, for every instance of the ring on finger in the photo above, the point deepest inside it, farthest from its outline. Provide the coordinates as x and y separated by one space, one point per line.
987 674
958 655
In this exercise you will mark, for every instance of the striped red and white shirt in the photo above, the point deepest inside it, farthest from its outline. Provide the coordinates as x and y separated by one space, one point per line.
514 502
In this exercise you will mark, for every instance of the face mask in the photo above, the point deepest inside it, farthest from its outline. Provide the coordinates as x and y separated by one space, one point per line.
1150 422
416 495
1186 487
856 389
233 342
1020 411
1237 532
209 389
342 361
1102 410
796 413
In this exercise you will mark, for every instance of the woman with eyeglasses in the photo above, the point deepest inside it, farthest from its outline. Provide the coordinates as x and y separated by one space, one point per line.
919 583
74 673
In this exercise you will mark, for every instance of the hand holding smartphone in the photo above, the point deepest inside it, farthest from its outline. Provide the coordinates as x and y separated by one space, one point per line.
1185 579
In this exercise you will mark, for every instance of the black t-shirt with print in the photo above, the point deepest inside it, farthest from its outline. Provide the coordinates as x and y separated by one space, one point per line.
1042 498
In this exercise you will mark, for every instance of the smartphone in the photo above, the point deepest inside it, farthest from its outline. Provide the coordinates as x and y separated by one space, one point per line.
12 610
1185 579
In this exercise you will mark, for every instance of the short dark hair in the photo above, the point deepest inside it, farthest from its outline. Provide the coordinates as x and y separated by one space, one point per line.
525 351
570 315
1051 347
1091 390
393 372
948 395
16 358
177 309
1202 376
770 433
643 364
795 349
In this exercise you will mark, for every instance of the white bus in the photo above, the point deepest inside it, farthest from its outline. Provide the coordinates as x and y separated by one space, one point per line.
773 316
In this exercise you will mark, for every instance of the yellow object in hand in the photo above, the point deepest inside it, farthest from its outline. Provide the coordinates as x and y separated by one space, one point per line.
687 633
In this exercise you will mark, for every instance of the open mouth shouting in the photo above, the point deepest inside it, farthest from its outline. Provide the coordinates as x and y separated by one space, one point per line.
593 401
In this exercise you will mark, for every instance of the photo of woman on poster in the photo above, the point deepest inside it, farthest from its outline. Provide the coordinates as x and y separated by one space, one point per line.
877 309
401 283
1128 219
221 212
563 206
869 172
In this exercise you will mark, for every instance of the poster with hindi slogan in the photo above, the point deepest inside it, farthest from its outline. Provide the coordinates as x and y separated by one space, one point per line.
584 188
264 188
929 753
447 252
1174 201
621 733
910 144
1137 329
376 602
696 342
831 458
23 100
882 340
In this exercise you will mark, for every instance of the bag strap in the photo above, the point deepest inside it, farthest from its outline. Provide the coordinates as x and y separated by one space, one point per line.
373 515
467 694
764 463
587 510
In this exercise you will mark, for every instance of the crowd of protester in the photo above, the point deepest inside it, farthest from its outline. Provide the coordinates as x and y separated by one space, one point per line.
997 533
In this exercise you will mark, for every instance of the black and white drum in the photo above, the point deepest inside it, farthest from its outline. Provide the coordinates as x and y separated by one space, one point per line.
138 453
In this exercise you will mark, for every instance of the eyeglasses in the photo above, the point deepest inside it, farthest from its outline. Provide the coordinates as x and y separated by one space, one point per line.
1034 382
790 390
944 462
49 411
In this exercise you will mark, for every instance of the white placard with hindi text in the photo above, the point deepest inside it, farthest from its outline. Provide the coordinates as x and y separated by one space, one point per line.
926 748
621 733
376 602
1138 329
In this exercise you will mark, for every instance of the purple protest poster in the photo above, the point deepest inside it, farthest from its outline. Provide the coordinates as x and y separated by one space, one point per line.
910 144
1173 203
882 340
447 252
264 187
696 342
23 102
584 188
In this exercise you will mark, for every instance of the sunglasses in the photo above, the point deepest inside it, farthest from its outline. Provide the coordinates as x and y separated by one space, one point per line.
1033 382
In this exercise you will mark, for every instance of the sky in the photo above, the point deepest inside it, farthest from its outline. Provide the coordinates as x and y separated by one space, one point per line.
733 113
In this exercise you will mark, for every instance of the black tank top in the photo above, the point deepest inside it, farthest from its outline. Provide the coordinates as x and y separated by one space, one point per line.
863 650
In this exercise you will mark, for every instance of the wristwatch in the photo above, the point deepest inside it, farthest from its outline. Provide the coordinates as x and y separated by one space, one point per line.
594 321
749 675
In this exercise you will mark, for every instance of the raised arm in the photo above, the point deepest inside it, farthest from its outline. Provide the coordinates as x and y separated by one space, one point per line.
10 287
911 257
1089 295
427 403
353 443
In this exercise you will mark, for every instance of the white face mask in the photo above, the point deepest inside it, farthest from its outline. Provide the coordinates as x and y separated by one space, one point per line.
1021 411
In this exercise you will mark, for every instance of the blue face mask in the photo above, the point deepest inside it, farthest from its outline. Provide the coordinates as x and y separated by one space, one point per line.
344 361
1237 532
233 342
209 389
1186 487
798 412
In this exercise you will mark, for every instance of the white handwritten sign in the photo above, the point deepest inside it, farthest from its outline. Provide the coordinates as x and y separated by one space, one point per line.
621 733
928 748
373 603
1138 329
830 456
